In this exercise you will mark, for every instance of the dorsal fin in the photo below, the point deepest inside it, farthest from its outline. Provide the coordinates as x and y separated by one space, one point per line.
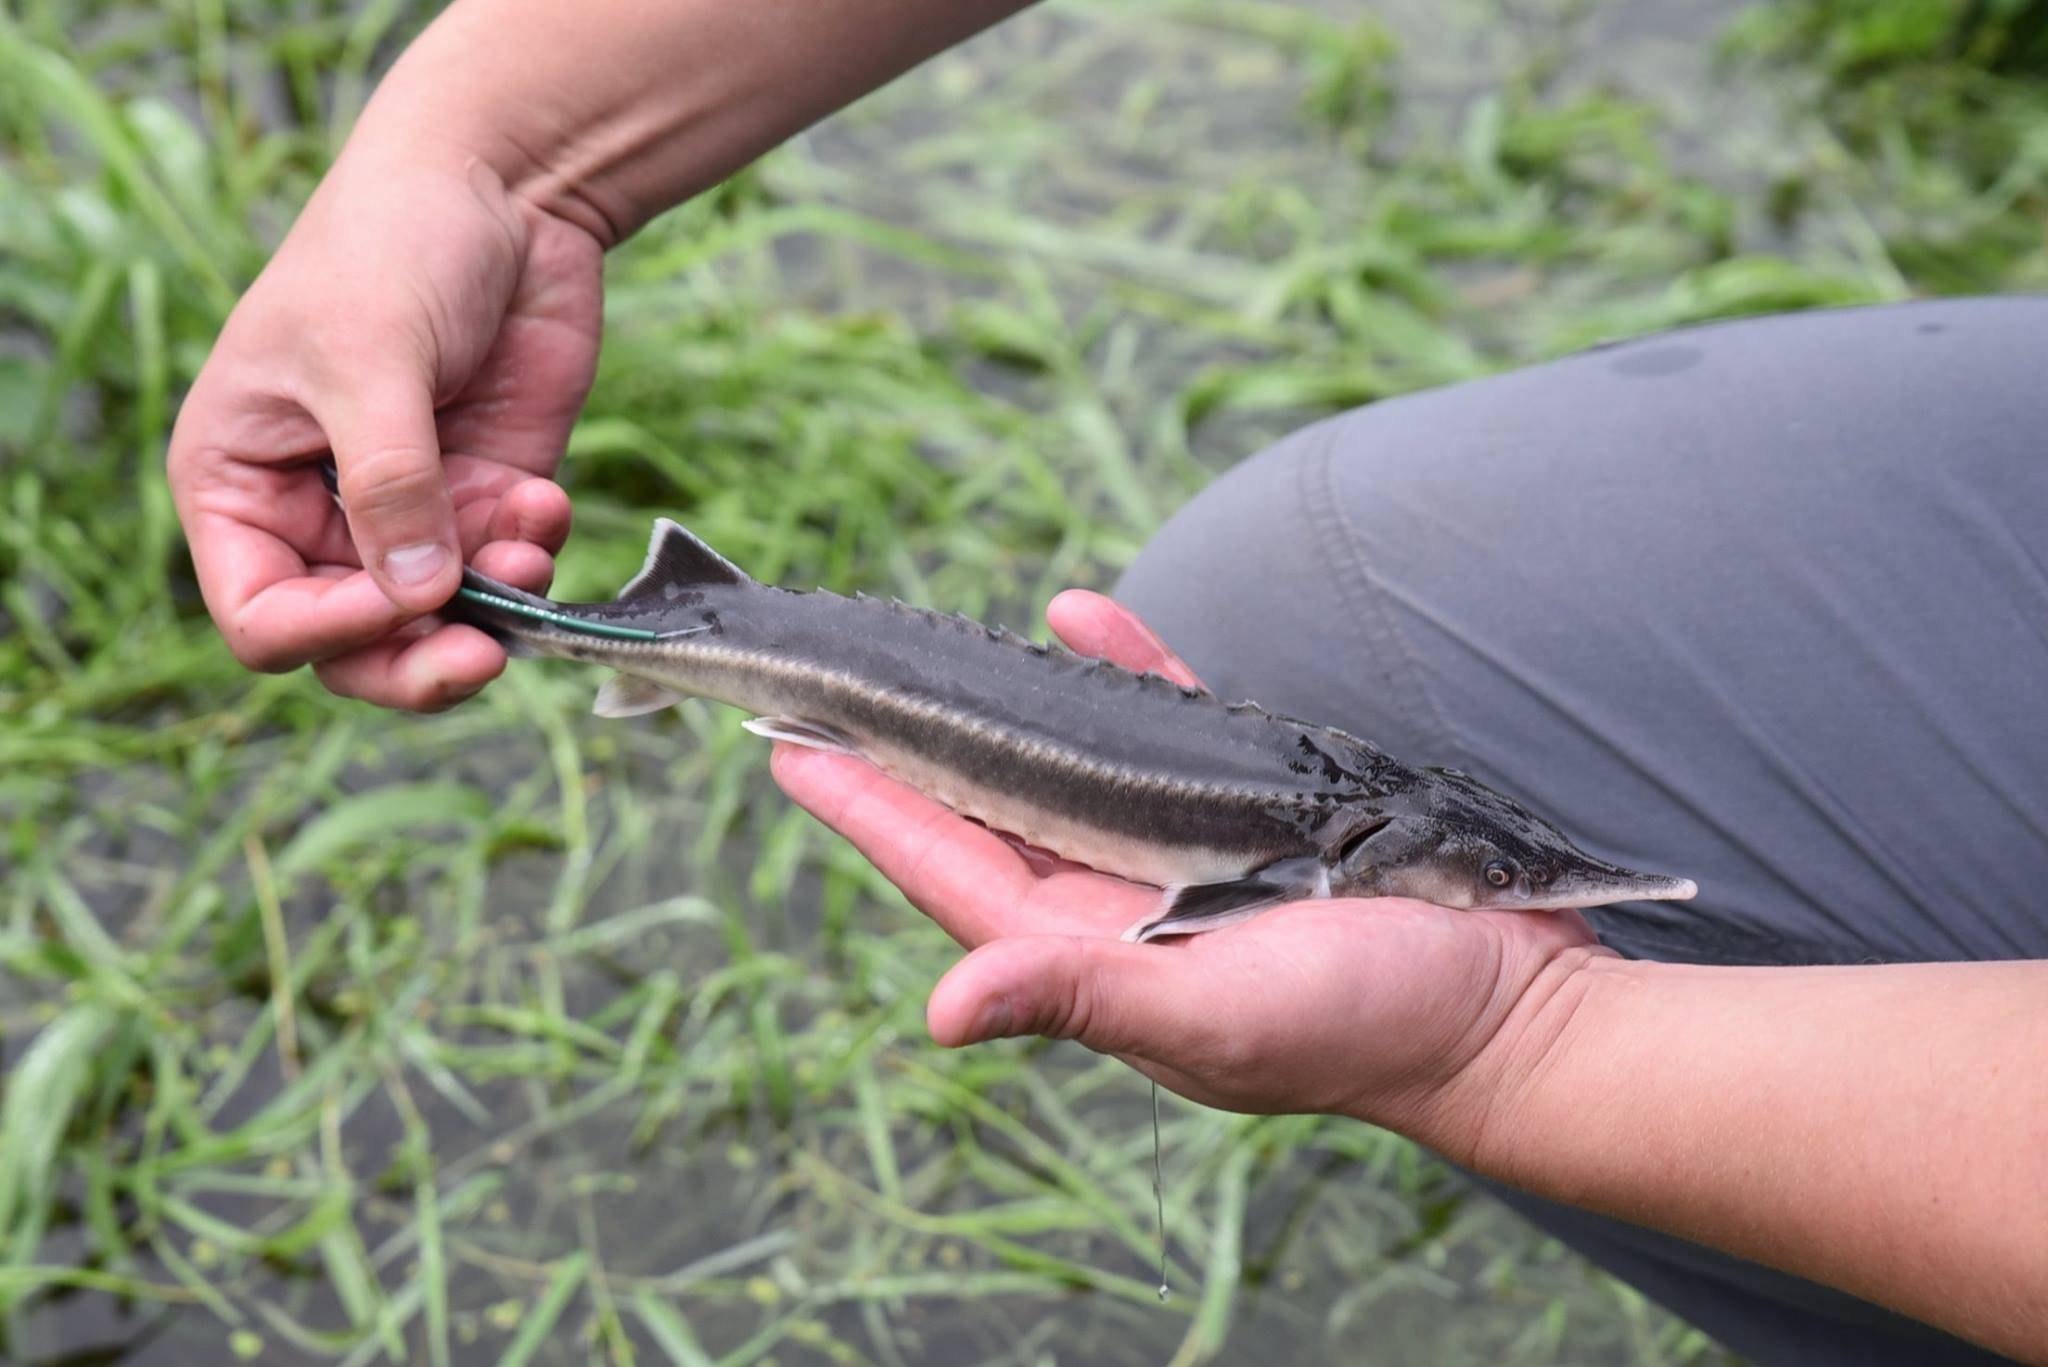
676 557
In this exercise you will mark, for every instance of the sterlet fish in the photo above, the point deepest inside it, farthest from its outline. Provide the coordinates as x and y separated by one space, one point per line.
1227 807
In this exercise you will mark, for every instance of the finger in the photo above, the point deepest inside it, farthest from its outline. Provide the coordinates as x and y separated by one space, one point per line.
420 673
961 875
1114 997
496 502
1091 624
392 485
534 510
275 612
518 563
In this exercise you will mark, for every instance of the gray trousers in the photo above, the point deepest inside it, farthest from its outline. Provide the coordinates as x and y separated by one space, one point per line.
1762 603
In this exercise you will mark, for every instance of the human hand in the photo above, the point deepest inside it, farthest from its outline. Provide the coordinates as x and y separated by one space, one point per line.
1393 1011
1810 1119
438 335
451 261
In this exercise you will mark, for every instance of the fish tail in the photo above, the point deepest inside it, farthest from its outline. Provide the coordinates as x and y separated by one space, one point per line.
512 617
527 624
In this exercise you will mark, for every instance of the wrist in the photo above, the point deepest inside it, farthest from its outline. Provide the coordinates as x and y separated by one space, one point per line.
1478 1115
489 98
605 114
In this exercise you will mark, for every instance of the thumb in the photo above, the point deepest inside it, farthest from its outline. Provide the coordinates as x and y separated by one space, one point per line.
1115 998
388 456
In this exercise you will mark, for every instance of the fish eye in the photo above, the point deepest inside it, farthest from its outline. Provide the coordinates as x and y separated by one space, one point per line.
1499 874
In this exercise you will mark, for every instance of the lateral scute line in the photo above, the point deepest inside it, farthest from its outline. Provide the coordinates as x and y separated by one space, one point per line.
852 685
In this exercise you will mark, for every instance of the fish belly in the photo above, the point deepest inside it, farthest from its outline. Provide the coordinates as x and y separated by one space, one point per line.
771 688
1122 853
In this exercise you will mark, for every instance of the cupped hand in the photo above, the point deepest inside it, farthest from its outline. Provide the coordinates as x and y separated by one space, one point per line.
437 335
1394 1011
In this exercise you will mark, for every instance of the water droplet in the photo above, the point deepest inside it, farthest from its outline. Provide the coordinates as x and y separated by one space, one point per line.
1159 1195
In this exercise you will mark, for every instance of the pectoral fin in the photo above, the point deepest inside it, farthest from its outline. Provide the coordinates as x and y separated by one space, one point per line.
1197 907
814 735
627 695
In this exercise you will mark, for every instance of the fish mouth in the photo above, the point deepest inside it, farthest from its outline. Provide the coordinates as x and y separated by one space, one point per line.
1655 888
1599 890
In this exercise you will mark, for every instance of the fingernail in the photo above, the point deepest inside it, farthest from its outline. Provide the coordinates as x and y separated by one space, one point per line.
993 1022
415 564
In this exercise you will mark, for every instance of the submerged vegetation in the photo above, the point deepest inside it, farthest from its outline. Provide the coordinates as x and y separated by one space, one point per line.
512 1035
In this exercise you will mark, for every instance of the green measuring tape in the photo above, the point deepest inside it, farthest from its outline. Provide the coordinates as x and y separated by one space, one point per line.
332 479
560 619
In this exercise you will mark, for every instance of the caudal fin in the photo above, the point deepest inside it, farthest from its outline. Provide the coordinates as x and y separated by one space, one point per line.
678 559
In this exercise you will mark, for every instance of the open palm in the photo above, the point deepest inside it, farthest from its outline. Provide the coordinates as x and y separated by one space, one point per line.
1369 1008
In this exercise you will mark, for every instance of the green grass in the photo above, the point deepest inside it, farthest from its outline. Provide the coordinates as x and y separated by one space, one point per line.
515 1035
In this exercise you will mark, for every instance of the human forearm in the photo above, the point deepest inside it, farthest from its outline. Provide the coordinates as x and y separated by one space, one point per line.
608 112
433 317
1881 1129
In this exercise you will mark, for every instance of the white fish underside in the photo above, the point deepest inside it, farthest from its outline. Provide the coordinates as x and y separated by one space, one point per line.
1125 856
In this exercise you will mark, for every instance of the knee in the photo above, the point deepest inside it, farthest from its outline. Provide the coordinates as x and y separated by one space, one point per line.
1235 581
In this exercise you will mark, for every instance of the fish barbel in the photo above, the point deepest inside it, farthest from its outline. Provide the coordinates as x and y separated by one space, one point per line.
1227 807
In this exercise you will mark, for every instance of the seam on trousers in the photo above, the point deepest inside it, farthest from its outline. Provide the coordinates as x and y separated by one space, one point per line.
1386 653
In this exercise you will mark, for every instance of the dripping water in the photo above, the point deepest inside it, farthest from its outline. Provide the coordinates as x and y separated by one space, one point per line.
1159 1196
